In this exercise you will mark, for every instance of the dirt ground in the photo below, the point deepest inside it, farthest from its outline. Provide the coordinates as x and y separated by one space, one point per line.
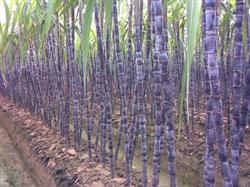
12 170
50 156
67 165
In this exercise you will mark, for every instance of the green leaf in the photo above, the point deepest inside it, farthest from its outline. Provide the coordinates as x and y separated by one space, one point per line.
5 35
1 29
86 32
48 19
108 5
7 16
193 22
15 18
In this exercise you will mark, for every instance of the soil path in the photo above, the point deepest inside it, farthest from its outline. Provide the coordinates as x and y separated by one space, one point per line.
12 170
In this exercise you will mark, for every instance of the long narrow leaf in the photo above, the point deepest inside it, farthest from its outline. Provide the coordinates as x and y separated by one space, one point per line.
48 19
108 16
86 32
193 17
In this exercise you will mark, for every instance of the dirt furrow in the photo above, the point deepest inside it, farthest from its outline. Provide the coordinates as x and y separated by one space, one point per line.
12 169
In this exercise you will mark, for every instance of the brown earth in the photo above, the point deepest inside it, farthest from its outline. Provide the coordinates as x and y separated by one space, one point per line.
190 153
47 157
51 162
12 170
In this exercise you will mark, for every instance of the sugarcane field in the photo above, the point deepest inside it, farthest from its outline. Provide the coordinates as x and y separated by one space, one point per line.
133 93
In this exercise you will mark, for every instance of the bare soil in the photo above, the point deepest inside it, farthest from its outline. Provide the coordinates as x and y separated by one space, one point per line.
47 156
13 172
34 151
